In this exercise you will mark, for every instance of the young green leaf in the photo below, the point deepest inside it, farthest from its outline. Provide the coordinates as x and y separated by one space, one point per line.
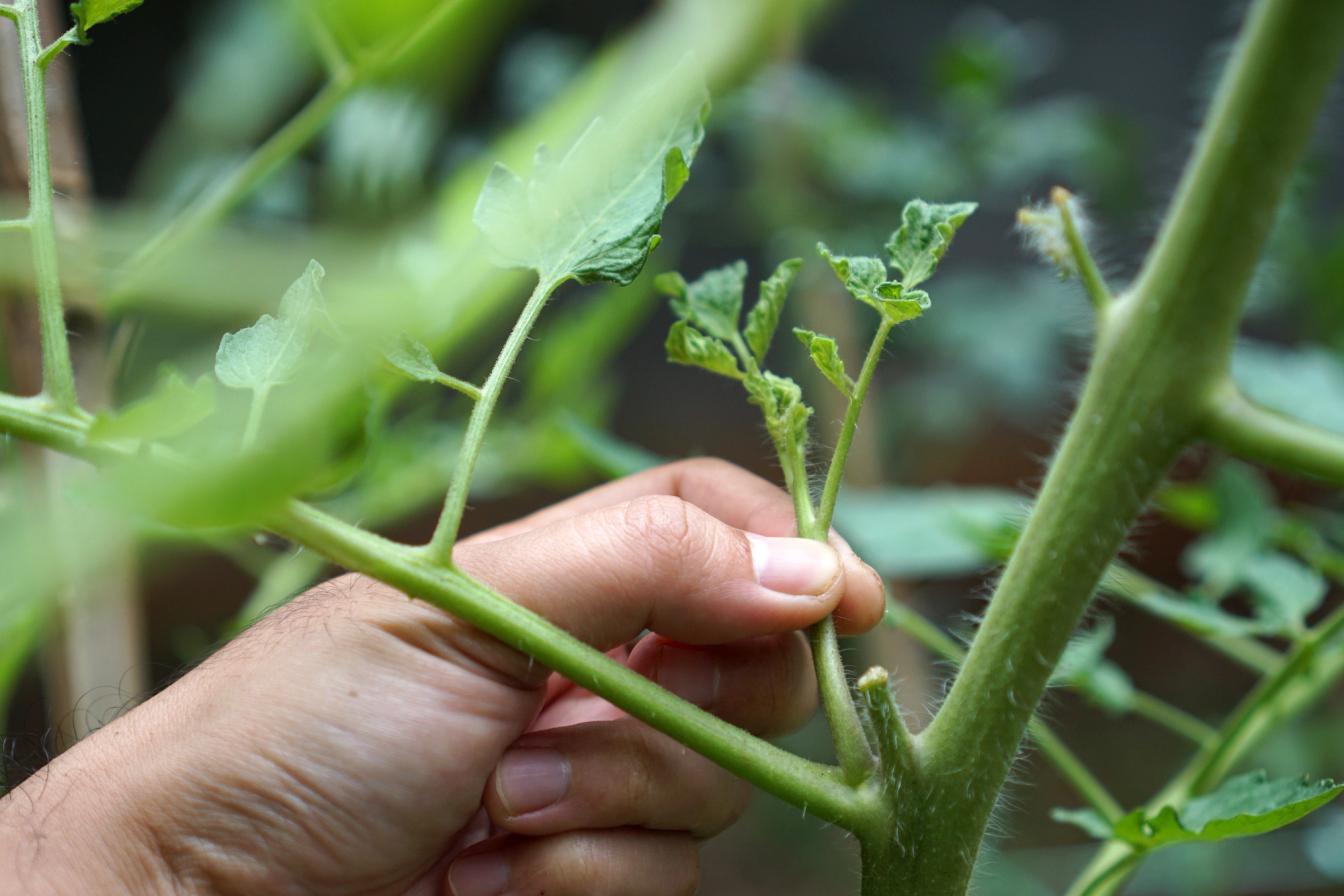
170 409
1284 591
865 277
781 402
268 353
763 319
826 356
925 233
1242 807
263 355
88 13
713 303
595 214
686 345
415 361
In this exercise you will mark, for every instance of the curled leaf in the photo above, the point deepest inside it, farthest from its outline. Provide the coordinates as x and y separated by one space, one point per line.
925 233
763 319
686 345
826 355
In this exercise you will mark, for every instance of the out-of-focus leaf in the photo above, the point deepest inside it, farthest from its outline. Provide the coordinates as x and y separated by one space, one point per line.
414 360
826 355
270 351
1285 591
924 236
763 319
1244 524
1242 807
687 345
1305 383
170 409
1085 668
712 303
1195 616
939 531
613 456
88 13
594 215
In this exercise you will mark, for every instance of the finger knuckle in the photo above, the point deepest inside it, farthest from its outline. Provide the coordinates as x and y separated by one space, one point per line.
664 526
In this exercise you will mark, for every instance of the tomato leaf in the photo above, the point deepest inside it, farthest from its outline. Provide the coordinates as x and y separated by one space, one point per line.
826 355
170 409
88 13
865 277
595 214
414 360
713 303
270 351
763 319
687 345
925 233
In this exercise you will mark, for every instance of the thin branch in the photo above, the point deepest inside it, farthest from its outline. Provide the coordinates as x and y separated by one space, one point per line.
1249 430
1173 718
897 758
58 375
815 787
440 547
1093 280
9 12
57 47
471 390
1065 761
12 225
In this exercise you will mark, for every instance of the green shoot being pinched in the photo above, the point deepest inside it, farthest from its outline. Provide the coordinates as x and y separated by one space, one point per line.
710 334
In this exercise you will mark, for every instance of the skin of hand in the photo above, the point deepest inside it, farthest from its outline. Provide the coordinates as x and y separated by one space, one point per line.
358 741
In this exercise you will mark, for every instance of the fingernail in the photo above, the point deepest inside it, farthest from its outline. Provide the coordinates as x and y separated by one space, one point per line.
531 779
794 565
486 874
690 674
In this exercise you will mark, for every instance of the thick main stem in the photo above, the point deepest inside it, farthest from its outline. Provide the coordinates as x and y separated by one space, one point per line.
58 376
1164 349
440 547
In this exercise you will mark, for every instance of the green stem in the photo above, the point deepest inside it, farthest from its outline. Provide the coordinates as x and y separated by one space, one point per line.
471 390
1065 761
851 744
57 47
1163 352
897 758
1244 428
817 788
15 225
1088 272
1173 718
835 474
9 12
440 547
58 375
1306 674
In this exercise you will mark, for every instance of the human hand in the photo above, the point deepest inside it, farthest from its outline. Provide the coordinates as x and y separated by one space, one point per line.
355 741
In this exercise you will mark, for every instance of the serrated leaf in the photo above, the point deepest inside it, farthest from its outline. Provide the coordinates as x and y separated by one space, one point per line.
170 409
88 13
595 214
686 345
414 360
826 355
713 303
925 233
865 277
1242 807
763 319
263 355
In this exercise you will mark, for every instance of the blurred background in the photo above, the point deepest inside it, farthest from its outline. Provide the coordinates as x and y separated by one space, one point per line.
827 118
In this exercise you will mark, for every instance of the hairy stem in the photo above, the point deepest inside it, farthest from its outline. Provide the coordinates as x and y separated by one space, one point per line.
1163 351
440 547
58 375
1244 428
846 728
1093 280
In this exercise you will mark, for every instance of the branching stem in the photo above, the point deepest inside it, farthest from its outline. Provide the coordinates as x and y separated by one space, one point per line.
440 547
1088 272
57 47
58 376
1244 428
